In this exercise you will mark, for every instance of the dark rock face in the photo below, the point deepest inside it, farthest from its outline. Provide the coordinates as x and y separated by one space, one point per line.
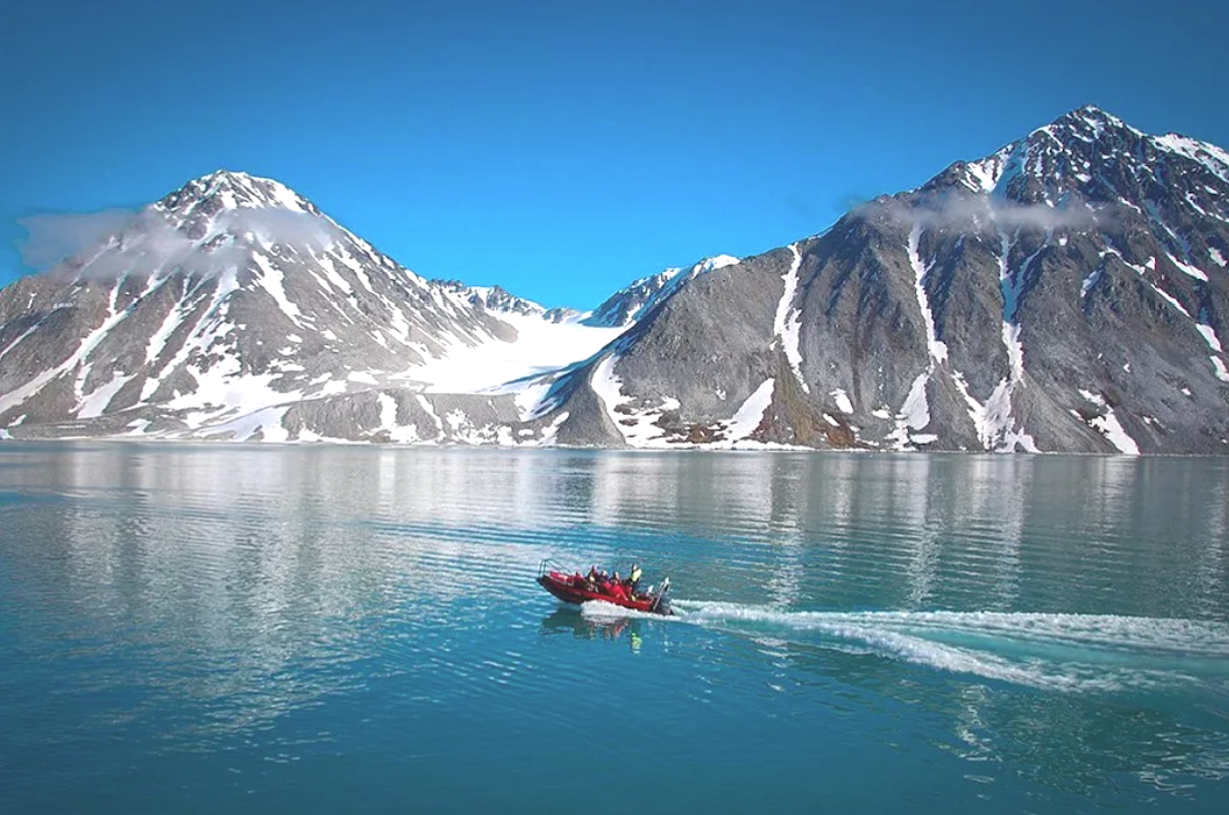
629 304
624 306
1068 293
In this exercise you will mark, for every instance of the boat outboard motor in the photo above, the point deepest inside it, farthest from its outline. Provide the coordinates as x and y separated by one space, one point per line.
661 596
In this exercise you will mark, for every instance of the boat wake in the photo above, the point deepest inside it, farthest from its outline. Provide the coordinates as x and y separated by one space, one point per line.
601 610
1076 652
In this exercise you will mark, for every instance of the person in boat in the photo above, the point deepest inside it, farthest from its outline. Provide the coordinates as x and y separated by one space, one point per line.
633 579
616 588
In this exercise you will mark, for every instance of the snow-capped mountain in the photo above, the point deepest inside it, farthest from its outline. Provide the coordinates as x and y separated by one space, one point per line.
1067 293
496 299
235 308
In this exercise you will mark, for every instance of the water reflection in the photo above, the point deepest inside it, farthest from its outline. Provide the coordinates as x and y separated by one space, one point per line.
612 628
1060 621
860 531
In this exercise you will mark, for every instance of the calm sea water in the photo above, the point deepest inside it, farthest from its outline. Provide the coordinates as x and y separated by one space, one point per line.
356 629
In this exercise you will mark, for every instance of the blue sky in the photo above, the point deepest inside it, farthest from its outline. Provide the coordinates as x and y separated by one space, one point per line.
562 149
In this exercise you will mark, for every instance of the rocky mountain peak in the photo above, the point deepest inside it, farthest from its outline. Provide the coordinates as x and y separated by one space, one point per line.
1088 121
223 191
1090 159
493 298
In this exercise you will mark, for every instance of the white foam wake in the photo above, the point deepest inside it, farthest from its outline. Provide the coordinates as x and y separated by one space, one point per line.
600 609
1053 651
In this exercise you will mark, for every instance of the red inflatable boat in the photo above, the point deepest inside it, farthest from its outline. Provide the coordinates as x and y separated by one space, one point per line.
574 587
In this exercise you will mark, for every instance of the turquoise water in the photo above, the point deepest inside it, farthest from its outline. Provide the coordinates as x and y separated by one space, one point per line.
356 629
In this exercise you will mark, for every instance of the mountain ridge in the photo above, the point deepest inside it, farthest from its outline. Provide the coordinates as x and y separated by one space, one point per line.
974 312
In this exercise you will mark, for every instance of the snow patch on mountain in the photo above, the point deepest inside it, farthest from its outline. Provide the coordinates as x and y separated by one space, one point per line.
19 395
1107 424
264 424
96 401
787 323
936 348
1210 156
994 420
1214 343
638 425
843 403
1209 336
983 176
749 414
550 434
641 424
914 415
397 433
540 347
1186 268
1218 367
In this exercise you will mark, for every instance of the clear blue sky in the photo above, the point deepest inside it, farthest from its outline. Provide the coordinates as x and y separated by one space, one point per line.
562 149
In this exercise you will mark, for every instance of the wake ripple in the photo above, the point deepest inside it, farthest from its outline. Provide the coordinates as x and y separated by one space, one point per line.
1071 652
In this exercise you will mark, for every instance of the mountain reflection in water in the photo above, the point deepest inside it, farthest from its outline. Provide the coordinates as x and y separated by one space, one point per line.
221 626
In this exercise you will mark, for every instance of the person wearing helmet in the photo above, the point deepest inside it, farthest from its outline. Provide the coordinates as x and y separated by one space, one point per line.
634 577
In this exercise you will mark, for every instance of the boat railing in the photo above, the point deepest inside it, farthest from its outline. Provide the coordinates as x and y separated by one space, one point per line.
549 565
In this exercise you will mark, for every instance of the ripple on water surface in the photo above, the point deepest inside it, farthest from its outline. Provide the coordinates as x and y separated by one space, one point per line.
243 628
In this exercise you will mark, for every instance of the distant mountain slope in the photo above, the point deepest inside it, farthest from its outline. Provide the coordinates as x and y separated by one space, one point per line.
627 305
1067 293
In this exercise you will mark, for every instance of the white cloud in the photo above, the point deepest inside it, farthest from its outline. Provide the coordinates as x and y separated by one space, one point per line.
115 242
54 237
976 212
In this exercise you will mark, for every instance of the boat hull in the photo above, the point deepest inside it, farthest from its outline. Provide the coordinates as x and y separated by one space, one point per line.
570 590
